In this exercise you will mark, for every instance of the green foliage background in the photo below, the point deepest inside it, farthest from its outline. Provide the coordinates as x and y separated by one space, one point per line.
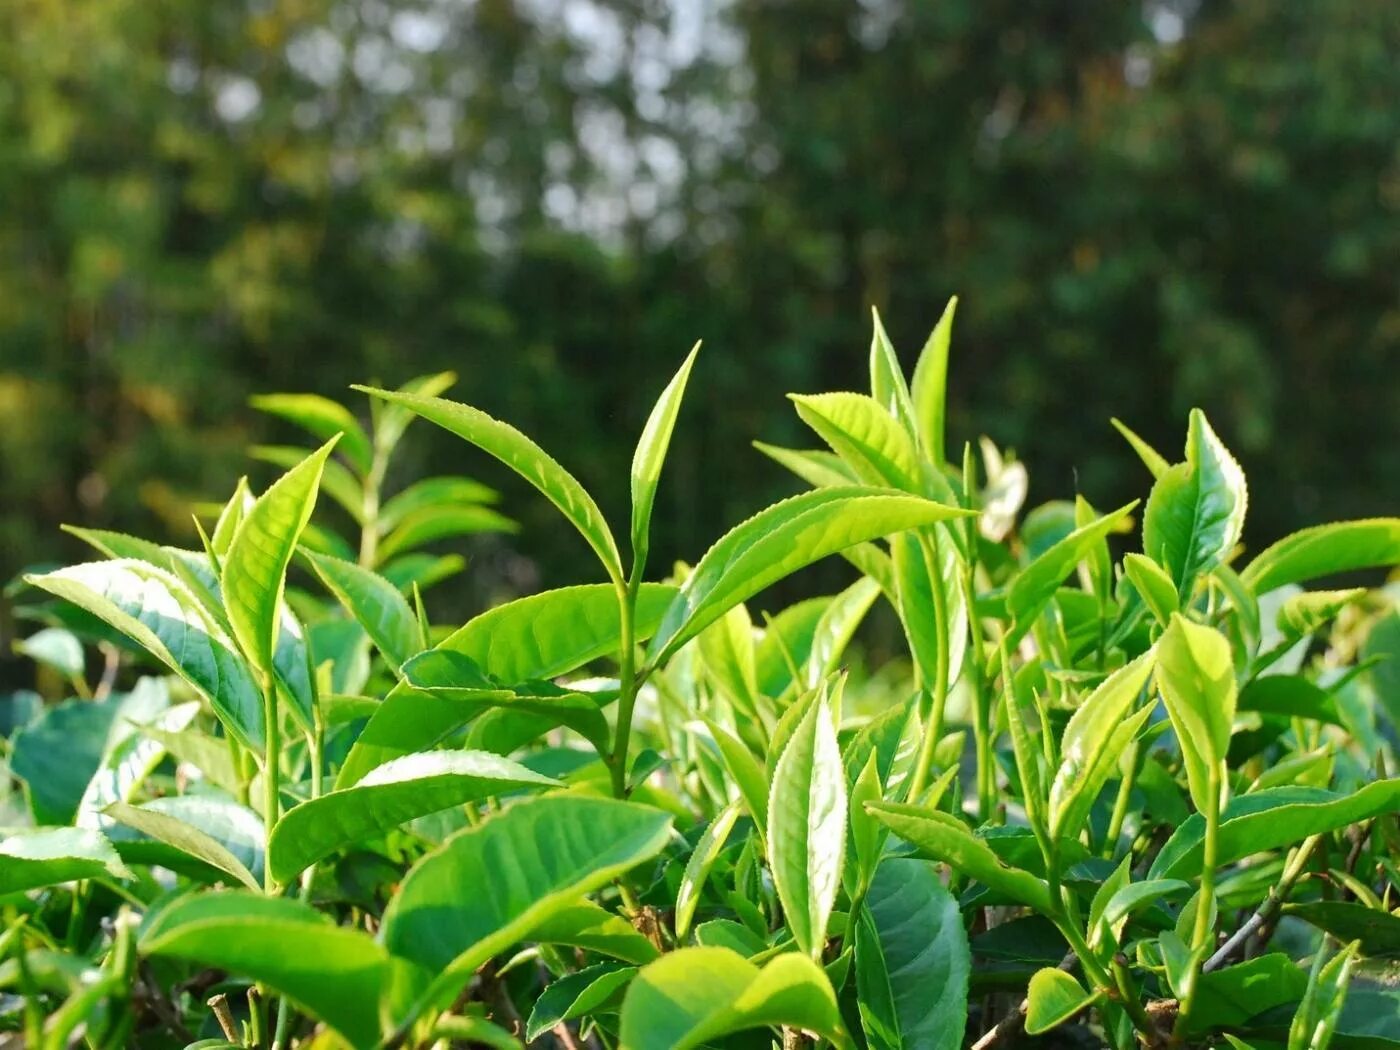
1144 208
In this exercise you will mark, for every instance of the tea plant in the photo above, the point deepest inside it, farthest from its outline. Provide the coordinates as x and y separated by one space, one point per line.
1122 801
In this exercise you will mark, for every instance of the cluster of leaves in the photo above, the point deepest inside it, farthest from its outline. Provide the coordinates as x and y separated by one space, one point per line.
1141 801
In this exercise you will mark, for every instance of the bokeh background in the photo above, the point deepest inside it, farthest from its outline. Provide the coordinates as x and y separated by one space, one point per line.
1143 206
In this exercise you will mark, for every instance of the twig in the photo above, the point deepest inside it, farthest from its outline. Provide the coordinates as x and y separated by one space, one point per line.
222 1014
1269 909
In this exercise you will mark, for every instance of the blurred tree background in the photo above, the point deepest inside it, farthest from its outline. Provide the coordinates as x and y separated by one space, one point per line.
1143 208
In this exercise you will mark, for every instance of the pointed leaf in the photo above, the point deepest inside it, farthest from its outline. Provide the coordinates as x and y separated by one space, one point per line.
577 995
438 491
439 523
334 973
374 602
692 996
393 794
160 614
1037 582
1196 510
887 384
1196 674
1323 550
941 836
807 827
1091 744
651 454
697 868
322 418
1155 462
47 856
865 435
526 458
777 542
182 836
1154 585
916 941
1053 998
491 885
930 390
255 569
1271 819
818 467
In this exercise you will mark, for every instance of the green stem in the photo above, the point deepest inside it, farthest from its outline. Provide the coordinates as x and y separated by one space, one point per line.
934 730
627 682
271 771
369 509
1120 804
1101 979
1205 900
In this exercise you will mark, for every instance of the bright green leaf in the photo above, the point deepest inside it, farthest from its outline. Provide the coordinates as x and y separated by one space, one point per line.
807 827
692 996
526 458
386 797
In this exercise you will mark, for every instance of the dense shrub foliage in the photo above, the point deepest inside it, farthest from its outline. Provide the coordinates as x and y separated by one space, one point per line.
1122 800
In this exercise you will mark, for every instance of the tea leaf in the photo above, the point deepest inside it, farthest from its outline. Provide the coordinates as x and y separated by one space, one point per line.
374 602
160 614
576 995
1270 819
554 632
184 837
334 973
807 827
1196 675
940 836
865 435
386 797
777 542
1036 583
1054 997
323 419
523 456
692 996
440 523
697 868
234 828
912 953
442 691
1196 511
1377 932
1324 550
46 856
1154 461
255 568
887 384
538 858
1092 743
1154 585
651 454
930 389
447 490
817 467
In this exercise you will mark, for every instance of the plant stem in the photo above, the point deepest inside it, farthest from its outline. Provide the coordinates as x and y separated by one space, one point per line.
1292 870
369 509
271 771
924 766
627 682
1120 804
1205 900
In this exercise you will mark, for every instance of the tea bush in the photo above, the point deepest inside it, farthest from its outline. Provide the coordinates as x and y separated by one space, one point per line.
1136 800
